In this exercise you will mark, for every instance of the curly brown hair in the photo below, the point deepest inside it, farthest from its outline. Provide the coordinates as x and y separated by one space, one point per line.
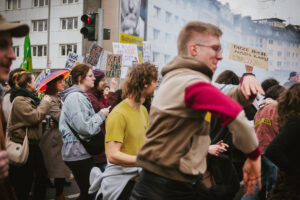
140 75
289 104
228 77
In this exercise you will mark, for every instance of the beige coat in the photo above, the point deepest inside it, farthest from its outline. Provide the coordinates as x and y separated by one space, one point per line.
51 144
25 114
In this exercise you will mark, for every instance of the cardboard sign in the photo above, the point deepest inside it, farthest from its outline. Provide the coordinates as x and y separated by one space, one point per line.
248 55
113 66
128 51
40 78
94 54
130 39
147 51
124 72
103 58
73 60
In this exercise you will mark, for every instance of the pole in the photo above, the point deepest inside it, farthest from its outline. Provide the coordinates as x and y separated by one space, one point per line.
48 39
100 27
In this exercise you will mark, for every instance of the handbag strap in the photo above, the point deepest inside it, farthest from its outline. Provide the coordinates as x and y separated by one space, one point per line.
75 133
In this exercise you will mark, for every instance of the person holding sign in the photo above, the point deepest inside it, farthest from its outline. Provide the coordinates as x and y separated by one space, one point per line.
174 155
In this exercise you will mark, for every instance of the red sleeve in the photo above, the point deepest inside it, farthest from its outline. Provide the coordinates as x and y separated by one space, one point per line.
112 100
205 96
95 102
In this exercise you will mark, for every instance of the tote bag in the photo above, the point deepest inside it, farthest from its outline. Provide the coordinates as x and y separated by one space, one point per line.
17 153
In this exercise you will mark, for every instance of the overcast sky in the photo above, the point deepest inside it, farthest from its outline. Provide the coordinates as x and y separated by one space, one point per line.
288 10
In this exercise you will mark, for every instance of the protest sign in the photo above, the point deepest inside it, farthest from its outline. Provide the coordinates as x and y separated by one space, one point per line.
248 55
146 51
130 39
113 66
103 58
94 54
128 51
40 78
73 60
124 72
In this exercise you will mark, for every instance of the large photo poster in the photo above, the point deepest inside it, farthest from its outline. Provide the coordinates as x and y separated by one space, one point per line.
134 17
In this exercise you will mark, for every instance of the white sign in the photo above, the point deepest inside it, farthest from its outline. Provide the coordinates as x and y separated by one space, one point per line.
73 59
124 71
40 78
129 52
146 51
103 58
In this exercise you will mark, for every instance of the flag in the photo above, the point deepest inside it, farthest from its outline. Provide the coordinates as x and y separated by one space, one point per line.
27 61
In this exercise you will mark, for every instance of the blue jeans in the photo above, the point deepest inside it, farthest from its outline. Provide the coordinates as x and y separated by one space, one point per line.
268 178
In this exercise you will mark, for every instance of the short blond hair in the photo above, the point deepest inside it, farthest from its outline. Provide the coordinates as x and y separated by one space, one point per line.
187 32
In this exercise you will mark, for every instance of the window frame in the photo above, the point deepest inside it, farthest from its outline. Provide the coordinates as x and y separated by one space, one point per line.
37 23
35 50
11 3
74 21
65 47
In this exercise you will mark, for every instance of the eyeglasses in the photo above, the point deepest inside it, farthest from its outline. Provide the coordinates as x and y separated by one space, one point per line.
216 48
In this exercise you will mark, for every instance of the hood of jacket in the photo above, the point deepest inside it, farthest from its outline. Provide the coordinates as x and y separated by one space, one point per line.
74 88
266 102
187 62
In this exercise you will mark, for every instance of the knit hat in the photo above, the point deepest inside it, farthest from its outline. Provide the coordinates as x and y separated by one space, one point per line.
99 74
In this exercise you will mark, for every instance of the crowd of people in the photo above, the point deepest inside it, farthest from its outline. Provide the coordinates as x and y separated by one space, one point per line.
192 140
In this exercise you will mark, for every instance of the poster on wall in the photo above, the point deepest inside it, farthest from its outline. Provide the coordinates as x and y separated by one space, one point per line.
134 17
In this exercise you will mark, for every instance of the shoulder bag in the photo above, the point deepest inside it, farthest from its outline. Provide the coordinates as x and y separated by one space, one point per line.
94 146
17 153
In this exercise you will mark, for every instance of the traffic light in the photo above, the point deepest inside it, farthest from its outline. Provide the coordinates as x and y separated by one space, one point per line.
89 28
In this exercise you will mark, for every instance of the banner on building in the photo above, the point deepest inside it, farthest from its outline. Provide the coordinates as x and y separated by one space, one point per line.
128 51
113 66
130 39
249 55
73 60
146 51
94 54
134 17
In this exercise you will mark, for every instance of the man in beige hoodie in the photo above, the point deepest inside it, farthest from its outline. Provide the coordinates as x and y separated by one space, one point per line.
174 155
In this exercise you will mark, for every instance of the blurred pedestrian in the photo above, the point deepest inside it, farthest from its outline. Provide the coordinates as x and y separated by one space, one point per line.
293 78
51 142
26 117
8 30
97 96
283 151
77 112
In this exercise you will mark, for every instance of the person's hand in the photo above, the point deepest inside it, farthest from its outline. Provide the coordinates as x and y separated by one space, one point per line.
113 85
4 164
251 175
218 148
250 86
47 98
105 111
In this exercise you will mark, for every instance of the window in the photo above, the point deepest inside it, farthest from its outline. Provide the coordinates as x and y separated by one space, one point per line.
270 52
156 11
279 63
66 48
288 54
168 16
12 4
40 3
155 56
155 34
270 41
69 1
69 23
279 53
39 50
167 37
16 50
39 25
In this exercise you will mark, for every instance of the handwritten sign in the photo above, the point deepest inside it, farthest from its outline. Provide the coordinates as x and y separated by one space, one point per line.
103 58
147 51
113 66
40 78
248 55
94 54
73 60
128 51
130 39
